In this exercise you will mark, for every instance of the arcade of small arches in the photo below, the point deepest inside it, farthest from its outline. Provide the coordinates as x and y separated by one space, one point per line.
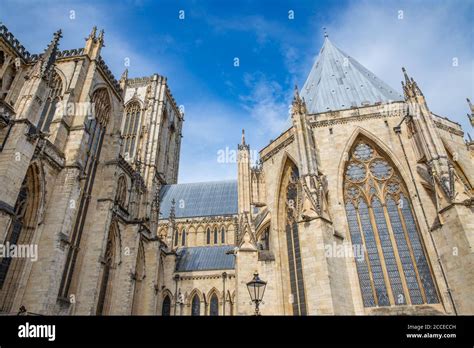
197 303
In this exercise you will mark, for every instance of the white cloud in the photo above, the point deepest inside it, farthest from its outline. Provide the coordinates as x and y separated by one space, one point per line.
267 104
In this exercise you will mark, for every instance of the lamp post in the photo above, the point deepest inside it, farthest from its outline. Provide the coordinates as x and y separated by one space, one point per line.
256 288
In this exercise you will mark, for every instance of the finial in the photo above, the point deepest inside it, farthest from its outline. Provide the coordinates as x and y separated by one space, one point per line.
93 32
325 32
124 75
49 56
296 94
407 79
243 136
469 102
101 36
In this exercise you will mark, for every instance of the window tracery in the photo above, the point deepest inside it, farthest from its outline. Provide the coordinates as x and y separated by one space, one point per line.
130 129
394 269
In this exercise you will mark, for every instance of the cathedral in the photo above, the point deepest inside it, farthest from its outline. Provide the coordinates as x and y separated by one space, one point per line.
363 206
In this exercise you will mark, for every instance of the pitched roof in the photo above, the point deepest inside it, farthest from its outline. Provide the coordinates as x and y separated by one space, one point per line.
337 81
211 198
204 258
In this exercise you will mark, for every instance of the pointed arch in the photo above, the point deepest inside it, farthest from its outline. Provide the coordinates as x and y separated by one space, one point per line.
289 201
395 268
56 88
140 273
214 290
213 304
360 133
208 235
166 306
22 230
131 128
110 260
197 292
121 194
195 300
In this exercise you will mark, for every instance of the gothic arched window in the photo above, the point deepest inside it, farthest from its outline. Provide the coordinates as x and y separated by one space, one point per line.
176 238
390 259
196 305
208 236
166 308
20 232
109 263
214 305
293 243
55 91
223 235
183 238
216 239
130 129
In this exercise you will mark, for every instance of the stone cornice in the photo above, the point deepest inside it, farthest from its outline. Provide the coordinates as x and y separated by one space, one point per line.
277 149
206 276
355 118
449 129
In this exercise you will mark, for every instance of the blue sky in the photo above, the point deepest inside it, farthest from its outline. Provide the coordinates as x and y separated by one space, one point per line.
275 52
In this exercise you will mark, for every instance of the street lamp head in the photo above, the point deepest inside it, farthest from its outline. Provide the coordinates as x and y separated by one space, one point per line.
256 288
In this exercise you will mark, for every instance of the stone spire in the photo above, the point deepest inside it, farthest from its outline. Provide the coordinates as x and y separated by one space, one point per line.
123 81
49 56
471 116
243 176
410 87
172 224
243 144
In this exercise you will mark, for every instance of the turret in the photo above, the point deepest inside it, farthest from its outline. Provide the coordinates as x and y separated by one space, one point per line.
94 44
243 180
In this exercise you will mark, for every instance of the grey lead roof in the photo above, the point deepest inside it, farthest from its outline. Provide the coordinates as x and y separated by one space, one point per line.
204 258
211 198
337 81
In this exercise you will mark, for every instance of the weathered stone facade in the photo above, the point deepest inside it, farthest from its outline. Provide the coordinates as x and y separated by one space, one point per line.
88 171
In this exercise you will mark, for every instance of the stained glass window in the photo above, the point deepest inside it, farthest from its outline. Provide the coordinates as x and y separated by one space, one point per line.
394 269
214 305
293 245
223 235
176 236
196 306
130 129
208 236
166 308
